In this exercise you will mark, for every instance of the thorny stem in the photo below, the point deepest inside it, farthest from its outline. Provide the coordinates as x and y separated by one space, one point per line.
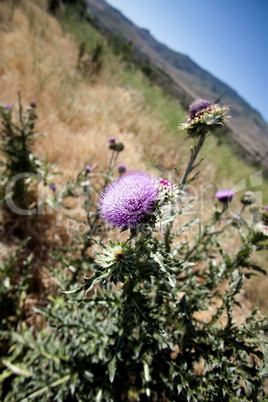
92 225
112 163
194 154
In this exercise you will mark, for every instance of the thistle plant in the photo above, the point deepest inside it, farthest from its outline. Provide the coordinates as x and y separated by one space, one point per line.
153 319
20 166
203 119
130 201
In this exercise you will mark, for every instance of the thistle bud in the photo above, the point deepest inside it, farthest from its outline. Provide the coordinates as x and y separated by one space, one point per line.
111 140
121 168
33 103
116 259
118 146
248 198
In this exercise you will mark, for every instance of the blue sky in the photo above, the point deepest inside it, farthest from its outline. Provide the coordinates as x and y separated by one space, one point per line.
227 38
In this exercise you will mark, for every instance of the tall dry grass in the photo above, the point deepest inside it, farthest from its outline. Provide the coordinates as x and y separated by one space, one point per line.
39 60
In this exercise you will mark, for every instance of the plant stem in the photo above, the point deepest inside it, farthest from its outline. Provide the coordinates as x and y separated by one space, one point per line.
194 154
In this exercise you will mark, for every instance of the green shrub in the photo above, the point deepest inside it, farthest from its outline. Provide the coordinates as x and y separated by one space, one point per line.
154 317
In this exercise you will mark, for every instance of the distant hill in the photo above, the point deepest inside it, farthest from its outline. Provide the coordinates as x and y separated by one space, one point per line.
186 80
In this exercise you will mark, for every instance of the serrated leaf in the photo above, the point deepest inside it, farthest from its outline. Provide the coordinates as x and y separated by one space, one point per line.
239 284
112 369
16 369
172 280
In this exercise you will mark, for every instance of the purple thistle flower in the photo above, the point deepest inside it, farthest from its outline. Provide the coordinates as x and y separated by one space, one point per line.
197 105
7 107
266 208
165 183
121 168
88 168
112 140
129 201
53 187
224 195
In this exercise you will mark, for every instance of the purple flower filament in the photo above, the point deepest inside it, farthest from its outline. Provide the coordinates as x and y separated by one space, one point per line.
225 195
197 106
130 201
111 140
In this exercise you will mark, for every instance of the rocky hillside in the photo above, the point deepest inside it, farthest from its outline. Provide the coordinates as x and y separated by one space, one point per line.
186 80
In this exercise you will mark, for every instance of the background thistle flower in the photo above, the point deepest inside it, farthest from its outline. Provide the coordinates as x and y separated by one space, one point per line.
197 106
225 195
88 168
248 198
121 168
203 117
130 201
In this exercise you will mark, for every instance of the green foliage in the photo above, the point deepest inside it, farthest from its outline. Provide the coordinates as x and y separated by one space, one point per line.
153 320
21 169
13 289
154 316
78 5
90 66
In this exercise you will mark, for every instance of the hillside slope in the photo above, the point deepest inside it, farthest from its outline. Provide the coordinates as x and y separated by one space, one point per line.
189 81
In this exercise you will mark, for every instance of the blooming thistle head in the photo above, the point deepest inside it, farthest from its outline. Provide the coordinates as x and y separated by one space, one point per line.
53 187
117 259
111 140
165 184
225 195
121 168
166 191
6 110
88 169
130 201
248 198
203 117
198 106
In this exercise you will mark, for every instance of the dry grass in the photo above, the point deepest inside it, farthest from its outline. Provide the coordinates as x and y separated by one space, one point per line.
79 115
